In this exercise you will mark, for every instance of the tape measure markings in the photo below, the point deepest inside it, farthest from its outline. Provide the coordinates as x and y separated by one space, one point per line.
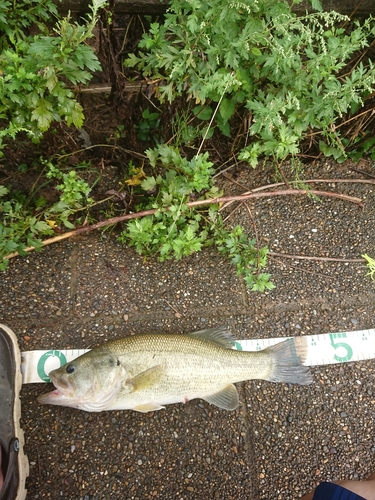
322 349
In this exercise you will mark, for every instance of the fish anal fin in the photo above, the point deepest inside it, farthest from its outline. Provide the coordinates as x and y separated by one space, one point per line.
226 398
146 379
219 335
145 408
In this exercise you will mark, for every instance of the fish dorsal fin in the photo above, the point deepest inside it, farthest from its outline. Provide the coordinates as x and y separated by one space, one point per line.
220 336
226 398
146 379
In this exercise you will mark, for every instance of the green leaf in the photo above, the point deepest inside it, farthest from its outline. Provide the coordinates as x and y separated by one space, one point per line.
3 191
226 109
224 129
42 114
203 112
209 134
316 5
256 51
42 226
148 184
75 116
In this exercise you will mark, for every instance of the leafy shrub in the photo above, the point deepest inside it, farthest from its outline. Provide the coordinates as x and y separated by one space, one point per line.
177 229
23 226
36 71
293 74
35 74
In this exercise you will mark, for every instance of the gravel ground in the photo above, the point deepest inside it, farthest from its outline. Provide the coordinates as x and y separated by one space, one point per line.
283 439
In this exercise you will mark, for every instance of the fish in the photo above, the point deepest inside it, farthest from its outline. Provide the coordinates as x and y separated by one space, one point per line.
145 372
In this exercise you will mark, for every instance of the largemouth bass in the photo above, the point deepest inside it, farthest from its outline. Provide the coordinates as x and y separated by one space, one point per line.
145 372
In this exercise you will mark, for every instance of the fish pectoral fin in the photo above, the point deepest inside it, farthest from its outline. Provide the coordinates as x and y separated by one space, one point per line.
146 379
145 408
226 398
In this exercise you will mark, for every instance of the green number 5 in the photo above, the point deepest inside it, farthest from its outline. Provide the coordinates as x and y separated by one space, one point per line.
343 350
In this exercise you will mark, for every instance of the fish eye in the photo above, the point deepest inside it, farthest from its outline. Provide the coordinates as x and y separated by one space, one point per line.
70 369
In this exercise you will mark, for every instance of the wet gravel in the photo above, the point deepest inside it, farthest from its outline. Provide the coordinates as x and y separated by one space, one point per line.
283 439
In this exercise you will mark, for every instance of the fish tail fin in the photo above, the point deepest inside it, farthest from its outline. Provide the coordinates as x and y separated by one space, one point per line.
288 357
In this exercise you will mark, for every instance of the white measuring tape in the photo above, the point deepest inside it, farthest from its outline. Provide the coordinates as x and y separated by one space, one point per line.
323 349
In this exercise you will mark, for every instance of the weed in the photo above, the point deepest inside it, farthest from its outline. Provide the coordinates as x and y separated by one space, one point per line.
148 127
177 229
294 74
370 263
35 74
24 224
35 70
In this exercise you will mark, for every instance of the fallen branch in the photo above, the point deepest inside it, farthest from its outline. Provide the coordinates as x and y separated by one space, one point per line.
308 257
222 199
308 181
298 268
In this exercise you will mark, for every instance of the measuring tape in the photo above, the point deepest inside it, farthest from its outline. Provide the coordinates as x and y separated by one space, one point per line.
322 349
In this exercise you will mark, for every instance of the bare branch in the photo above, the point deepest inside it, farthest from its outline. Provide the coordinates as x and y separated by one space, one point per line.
197 203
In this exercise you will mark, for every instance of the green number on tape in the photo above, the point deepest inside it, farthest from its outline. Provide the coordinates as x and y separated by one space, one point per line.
341 345
238 346
42 361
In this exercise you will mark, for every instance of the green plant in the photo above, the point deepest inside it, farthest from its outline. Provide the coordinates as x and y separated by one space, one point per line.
36 71
17 17
177 229
370 263
23 225
244 255
18 228
184 133
294 74
360 147
148 126
74 196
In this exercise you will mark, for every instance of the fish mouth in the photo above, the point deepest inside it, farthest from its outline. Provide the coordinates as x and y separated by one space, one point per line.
61 395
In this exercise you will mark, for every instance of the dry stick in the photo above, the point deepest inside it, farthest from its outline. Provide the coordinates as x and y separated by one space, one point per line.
363 173
222 199
306 257
303 270
309 181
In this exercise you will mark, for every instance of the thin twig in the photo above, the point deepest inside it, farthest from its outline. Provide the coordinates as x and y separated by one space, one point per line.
197 203
237 207
364 173
280 169
212 119
178 314
302 269
308 181
235 182
308 257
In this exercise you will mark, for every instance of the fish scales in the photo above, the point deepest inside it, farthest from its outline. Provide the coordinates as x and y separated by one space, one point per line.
181 353
145 372
191 366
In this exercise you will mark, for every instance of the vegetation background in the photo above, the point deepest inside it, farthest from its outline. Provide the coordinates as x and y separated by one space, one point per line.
214 86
